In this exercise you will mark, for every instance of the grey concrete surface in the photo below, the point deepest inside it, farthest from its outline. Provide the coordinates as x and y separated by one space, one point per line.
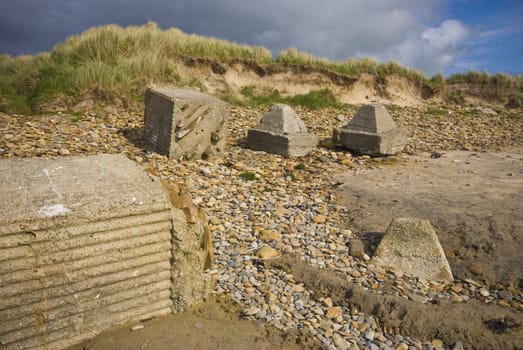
86 243
282 132
372 131
411 245
185 124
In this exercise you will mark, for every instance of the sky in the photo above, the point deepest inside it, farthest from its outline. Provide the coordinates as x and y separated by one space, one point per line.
434 36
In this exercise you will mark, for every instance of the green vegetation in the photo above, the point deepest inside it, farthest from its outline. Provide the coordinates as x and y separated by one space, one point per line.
292 176
248 176
314 99
436 111
299 166
111 62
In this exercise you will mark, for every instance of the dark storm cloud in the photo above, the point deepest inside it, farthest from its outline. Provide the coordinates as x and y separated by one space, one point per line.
337 29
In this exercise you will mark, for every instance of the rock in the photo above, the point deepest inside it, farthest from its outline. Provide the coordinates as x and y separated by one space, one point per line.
369 335
356 247
137 327
372 131
268 235
253 310
333 312
339 342
411 245
484 292
458 346
505 295
319 219
267 252
437 343
476 268
487 111
282 132
185 124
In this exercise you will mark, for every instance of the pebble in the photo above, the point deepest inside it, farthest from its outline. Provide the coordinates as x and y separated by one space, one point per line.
137 327
269 215
333 312
267 252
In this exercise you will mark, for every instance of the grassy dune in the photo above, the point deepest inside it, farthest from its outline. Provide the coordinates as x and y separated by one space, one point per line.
112 61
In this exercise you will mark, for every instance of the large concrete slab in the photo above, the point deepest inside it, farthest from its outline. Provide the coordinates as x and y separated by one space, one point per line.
185 124
282 132
85 243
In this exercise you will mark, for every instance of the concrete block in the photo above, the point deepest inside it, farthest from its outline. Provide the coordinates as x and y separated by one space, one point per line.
282 132
412 246
86 243
372 131
185 124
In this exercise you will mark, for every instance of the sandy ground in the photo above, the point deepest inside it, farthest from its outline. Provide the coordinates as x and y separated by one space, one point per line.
214 325
474 201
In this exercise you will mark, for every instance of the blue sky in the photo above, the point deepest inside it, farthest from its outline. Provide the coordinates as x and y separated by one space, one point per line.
446 36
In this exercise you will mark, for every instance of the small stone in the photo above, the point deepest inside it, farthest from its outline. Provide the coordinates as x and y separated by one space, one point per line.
267 252
137 327
369 335
319 219
356 247
503 303
505 295
333 312
484 292
198 325
267 235
253 310
456 298
476 268
402 346
327 302
64 152
456 288
339 342
355 273
437 343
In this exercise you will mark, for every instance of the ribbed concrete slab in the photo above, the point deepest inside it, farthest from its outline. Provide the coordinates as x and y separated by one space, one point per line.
85 243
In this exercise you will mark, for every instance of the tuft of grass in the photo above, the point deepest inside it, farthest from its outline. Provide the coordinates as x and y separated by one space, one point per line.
315 99
455 97
436 111
292 176
299 166
248 176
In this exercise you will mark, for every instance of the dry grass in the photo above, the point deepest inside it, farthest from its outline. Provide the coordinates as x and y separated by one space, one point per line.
110 60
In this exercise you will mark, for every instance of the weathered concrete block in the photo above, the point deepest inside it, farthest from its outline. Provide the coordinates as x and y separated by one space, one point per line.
372 131
282 132
185 124
412 246
88 242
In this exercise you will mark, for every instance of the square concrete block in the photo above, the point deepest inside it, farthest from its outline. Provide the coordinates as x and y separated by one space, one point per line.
185 124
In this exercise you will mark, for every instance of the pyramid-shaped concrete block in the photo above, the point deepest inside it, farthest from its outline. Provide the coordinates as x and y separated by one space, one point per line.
412 246
282 132
372 131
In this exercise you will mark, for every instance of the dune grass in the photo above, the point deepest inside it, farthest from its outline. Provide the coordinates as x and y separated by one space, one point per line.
113 61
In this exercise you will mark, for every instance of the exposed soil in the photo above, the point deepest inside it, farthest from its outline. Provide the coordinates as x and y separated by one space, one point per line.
474 201
213 325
